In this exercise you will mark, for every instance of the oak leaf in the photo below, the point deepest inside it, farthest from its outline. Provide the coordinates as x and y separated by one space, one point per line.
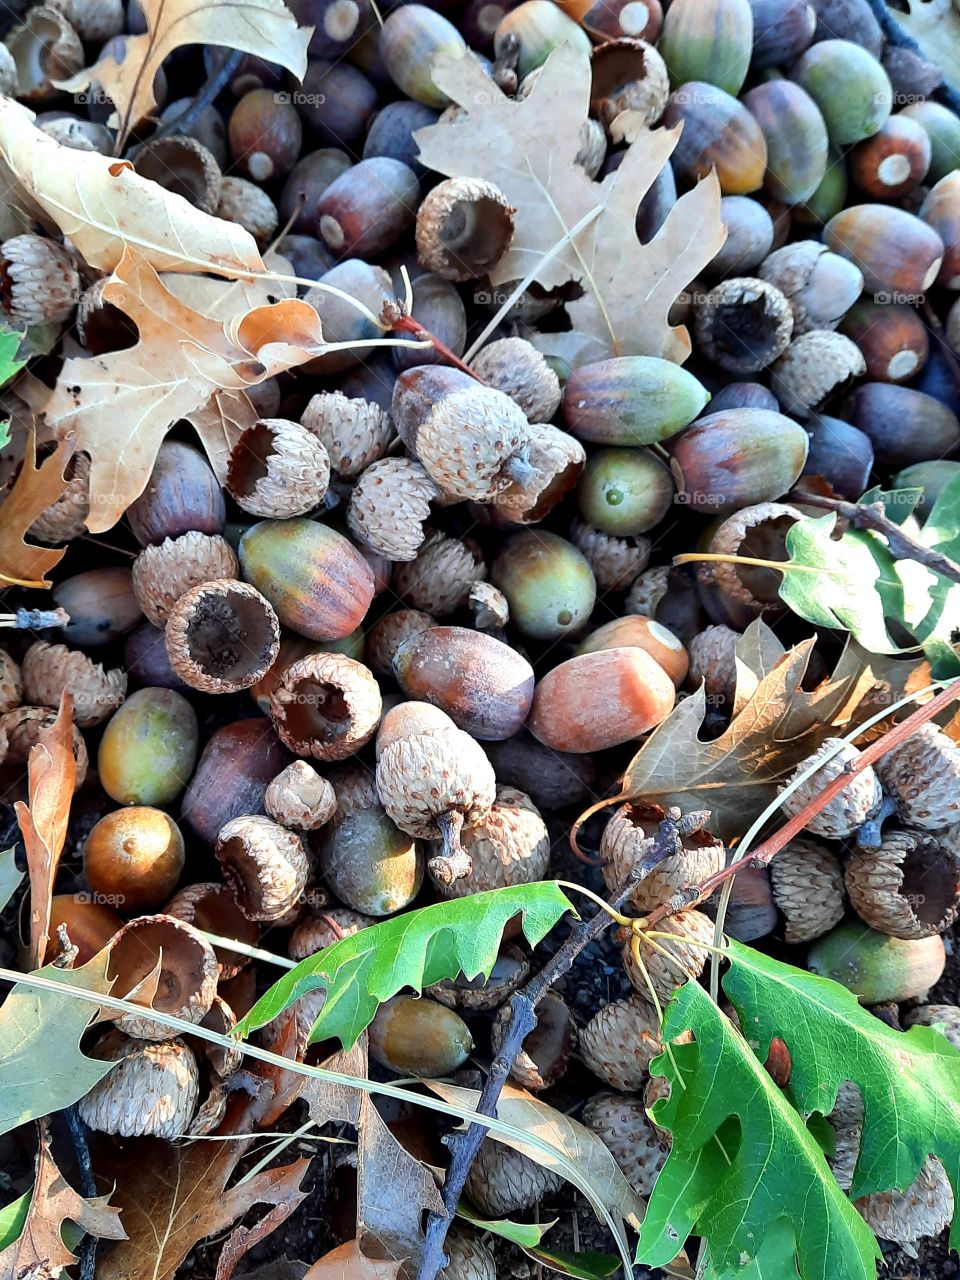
265 28
35 488
527 147
346 1262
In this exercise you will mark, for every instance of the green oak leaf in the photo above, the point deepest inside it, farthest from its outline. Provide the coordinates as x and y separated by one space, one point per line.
13 1217
10 342
525 1234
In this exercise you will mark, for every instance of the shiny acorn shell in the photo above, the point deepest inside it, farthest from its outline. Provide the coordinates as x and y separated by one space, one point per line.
630 400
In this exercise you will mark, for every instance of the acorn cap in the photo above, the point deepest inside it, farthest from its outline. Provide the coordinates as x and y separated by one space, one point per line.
387 635
508 845
745 592
103 327
808 888
318 932
182 165
152 1091
46 49
464 227
509 972
66 518
615 562
628 75
713 660
909 887
624 842
556 461
814 367
945 1017
502 1181
469 1259
52 669
634 1141
355 786
388 506
743 324
163 573
265 865
222 636
221 1019
846 811
647 591
489 606
923 777
545 1052
820 285
355 432
299 798
515 367
619 1043
439 580
11 683
94 21
20 730
71 131
188 972
688 959
250 207
326 705
39 281
922 1210
277 470
212 908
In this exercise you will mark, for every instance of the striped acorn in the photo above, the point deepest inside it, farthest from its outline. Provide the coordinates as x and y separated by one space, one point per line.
630 400
149 748
796 138
709 40
895 251
737 458
718 132
849 86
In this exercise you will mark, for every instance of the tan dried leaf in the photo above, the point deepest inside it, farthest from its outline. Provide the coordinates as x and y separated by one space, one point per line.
347 1263
265 28
527 148
102 205
221 299
35 489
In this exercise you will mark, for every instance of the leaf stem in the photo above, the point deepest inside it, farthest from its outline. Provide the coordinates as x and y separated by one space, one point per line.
782 566
615 916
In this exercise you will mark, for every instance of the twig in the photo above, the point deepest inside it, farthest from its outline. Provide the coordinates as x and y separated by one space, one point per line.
397 321
208 92
874 518
35 619
88 1188
896 36
523 1019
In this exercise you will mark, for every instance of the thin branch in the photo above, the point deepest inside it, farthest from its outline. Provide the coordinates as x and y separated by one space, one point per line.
88 1188
205 98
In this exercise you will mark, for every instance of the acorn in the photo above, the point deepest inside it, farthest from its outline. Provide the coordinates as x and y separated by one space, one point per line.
299 798
20 730
895 251
737 458
510 970
908 887
619 1043
464 227
630 400
222 636
278 469
545 1051
265 865
623 492
40 282
432 778
337 102
182 166
326 706
265 135
708 40
341 321
502 1181
637 1145
439 579
904 425
913 76
718 132
95 21
841 454
355 786
892 339
101 606
547 582
782 30
231 776
944 1017
556 462
600 700
749 237
808 888
752 913
737 593
369 863
820 286
712 654
152 1091
894 161
467 436
368 207
134 857
852 20
411 38
875 966
687 958
248 205
306 183
354 432
538 27
46 49
414 1035
182 496
923 1210
514 366
51 669
509 845
392 131
552 779
942 127
149 748
483 685
11 683
387 635
90 925
188 972
626 840
336 24
468 1258
615 562
438 308
611 19
163 573
68 131
389 505
318 583
846 812
316 933
849 86
828 199
629 85
941 211
816 366
743 324
669 596
920 776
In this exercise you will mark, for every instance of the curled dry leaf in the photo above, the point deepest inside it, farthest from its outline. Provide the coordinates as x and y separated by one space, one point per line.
527 148
21 563
347 1263
265 28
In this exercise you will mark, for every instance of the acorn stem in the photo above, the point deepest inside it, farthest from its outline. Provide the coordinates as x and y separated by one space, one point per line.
407 324
518 469
454 863
869 836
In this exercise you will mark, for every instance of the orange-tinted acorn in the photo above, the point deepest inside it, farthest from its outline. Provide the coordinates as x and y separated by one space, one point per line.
718 132
634 631
134 857
90 925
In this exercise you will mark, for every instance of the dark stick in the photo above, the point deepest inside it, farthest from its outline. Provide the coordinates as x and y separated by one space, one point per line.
896 36
523 1019
204 98
88 1188
874 518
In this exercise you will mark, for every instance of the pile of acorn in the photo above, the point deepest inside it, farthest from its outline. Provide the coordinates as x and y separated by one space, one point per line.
431 616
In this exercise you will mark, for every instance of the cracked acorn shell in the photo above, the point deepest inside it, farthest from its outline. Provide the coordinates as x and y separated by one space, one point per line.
210 907
52 669
438 581
625 841
807 884
326 705
389 505
815 366
222 636
688 960
908 887
277 469
188 972
515 367
464 227
546 1051
619 1043
615 562
502 1181
163 572
489 606
355 432
846 812
509 972
299 798
557 460
265 865
923 778
637 1145
509 845
414 1035
153 1089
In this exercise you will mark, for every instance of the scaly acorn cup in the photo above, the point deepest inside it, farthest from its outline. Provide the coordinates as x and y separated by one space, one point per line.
548 583
896 252
718 132
317 581
149 748
222 636
876 967
908 887
326 705
464 227
210 907
849 86
630 400
796 137
709 40
737 593
509 845
735 459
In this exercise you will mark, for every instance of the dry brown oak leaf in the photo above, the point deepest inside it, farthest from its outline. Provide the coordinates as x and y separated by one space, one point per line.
346 1262
527 148
102 205
35 488
265 28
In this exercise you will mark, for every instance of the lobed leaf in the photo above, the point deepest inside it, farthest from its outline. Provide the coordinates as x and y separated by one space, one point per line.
35 488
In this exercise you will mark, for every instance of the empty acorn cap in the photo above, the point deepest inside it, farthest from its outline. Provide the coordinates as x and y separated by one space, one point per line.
277 470
637 1145
814 367
619 1043
182 165
743 324
52 669
264 864
222 636
923 777
439 580
909 887
326 705
299 798
46 49
502 1181
808 888
688 958
738 593
545 1052
164 572
152 1091
464 227
556 462
508 974
212 908
846 812
188 972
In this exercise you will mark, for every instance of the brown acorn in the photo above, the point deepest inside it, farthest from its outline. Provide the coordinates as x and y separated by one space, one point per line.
163 573
40 281
615 562
388 507
894 161
188 972
737 593
908 887
182 496
20 729
101 605
808 888
510 970
278 469
212 908
637 1145
796 136
619 1043
11 683
222 636
904 425
89 925
231 776
634 631
517 368
556 462
250 207
718 132
439 580
265 865
265 134
152 1091
502 1181
687 958
895 251
354 432
134 857
545 1052
414 1035
326 706
846 812
892 339
368 207
743 324
921 777
52 669
820 286
626 839
815 366
508 845
464 227
299 798
941 212
183 166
